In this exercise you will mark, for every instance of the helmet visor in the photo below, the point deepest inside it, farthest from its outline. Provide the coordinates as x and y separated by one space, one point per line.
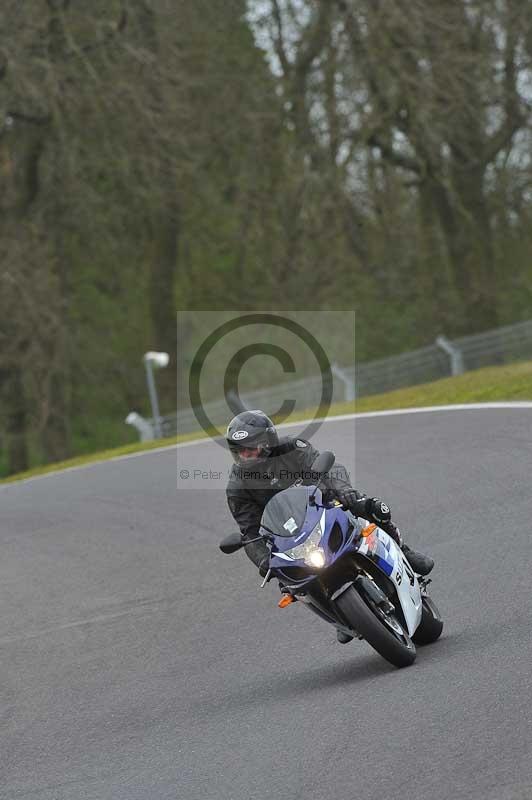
249 455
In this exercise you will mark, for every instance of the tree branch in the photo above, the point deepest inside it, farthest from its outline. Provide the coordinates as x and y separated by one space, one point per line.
111 34
279 41
390 154
513 110
30 119
502 137
58 5
3 65
113 31
317 38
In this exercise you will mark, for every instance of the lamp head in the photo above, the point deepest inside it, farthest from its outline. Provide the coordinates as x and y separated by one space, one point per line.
157 359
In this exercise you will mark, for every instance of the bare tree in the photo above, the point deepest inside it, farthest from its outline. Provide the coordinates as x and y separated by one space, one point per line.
443 87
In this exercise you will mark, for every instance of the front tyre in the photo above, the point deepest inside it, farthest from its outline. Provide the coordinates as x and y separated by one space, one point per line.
381 631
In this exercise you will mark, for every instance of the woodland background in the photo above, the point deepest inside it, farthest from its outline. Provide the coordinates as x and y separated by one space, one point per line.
158 155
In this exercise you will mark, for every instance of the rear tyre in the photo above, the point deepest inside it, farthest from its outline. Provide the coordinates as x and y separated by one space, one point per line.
431 624
383 632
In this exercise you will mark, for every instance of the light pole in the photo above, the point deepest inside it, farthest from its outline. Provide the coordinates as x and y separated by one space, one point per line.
154 360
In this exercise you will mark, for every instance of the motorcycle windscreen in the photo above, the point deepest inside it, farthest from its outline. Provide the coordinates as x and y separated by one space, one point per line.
285 513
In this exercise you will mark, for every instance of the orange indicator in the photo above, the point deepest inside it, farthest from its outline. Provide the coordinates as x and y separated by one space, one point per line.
285 600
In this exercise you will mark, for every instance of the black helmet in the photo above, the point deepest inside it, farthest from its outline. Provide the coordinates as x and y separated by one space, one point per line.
250 430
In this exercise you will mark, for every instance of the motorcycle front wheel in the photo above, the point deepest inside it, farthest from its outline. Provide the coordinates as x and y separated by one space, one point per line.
382 631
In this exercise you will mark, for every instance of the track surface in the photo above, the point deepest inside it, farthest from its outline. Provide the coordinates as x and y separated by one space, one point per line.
137 662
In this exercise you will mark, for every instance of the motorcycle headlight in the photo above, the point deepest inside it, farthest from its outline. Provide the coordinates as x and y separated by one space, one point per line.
310 550
316 558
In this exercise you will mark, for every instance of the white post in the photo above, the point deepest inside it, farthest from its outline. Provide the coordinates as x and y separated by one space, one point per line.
142 425
349 383
454 353
151 360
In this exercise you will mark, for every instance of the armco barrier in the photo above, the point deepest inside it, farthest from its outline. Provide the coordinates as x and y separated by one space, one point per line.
497 346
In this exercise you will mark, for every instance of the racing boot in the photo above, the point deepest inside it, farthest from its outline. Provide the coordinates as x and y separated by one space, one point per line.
419 563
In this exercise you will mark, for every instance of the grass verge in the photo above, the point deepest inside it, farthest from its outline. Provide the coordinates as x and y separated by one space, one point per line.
491 384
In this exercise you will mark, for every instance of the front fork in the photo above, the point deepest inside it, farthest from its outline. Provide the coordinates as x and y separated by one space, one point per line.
319 599
325 607
313 605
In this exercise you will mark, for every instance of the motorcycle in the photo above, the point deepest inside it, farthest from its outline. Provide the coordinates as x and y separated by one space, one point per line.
347 571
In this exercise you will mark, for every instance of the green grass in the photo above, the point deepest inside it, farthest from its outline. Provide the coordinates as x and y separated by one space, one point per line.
102 455
511 382
491 384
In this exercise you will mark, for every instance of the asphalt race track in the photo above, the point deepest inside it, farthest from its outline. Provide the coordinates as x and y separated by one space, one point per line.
139 663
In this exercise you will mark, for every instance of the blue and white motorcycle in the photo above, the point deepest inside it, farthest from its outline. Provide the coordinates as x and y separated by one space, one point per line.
350 573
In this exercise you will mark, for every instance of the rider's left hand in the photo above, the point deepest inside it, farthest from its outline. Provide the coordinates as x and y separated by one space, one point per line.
378 509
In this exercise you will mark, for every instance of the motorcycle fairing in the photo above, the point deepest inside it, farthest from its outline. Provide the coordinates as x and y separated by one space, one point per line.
384 552
293 504
378 548
328 518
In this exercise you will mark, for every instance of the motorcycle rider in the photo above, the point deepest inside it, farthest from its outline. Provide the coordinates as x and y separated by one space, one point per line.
266 464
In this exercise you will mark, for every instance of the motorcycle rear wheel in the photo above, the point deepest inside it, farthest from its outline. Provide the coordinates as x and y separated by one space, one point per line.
431 624
387 637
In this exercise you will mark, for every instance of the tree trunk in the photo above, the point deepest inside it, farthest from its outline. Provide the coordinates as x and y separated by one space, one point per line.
468 238
17 422
163 310
476 243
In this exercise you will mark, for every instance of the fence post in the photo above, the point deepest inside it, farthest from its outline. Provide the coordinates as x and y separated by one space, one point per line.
454 353
349 383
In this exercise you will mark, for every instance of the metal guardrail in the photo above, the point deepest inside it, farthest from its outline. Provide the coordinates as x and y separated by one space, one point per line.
498 346
439 360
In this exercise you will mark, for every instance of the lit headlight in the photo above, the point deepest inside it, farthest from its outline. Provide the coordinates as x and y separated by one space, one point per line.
310 550
316 558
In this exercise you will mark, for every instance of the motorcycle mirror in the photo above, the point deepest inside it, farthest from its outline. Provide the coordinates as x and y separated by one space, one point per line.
231 543
321 467
323 462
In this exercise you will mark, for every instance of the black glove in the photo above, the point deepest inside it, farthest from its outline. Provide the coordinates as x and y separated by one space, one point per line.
349 498
393 531
377 510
